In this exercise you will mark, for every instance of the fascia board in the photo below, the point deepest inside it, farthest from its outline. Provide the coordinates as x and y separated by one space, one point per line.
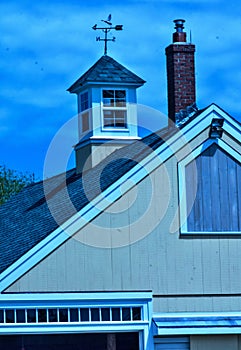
73 328
113 193
85 297
198 331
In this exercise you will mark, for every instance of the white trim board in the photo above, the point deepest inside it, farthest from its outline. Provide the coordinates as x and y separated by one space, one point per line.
181 319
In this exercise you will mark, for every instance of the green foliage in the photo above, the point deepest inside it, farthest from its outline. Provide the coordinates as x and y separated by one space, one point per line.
12 182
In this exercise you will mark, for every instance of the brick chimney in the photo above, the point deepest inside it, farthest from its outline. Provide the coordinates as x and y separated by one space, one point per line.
180 72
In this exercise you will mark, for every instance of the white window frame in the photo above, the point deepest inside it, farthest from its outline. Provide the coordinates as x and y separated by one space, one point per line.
182 186
115 108
80 300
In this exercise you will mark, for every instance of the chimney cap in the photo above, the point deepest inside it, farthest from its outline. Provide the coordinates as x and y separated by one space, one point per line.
179 25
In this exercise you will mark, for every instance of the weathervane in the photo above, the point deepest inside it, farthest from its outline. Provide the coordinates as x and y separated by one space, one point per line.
106 30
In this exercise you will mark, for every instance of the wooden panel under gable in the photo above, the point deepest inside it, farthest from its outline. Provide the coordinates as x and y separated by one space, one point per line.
217 204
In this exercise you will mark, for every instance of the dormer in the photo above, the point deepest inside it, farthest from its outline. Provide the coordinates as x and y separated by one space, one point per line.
107 110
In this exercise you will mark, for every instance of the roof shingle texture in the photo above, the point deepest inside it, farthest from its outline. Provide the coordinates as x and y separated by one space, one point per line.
25 219
107 70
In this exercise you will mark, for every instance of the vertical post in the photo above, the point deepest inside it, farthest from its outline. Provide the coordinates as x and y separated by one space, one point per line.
111 341
105 52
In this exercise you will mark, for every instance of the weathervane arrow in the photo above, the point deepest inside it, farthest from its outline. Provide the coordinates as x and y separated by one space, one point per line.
106 30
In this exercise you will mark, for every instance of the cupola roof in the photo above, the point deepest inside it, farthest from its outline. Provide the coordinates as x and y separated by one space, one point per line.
107 70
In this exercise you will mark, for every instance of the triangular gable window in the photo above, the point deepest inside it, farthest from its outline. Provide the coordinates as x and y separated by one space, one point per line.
211 191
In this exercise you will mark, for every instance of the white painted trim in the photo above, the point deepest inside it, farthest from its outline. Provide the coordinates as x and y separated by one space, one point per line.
79 300
196 314
9 298
72 328
195 330
182 185
103 137
113 192
200 331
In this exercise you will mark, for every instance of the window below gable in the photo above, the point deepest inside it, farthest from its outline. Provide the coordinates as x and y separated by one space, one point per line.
212 192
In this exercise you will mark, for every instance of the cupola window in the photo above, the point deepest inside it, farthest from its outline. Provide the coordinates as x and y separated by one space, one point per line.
84 106
84 101
114 108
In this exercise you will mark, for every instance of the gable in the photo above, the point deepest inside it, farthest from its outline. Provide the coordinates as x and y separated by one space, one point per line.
91 204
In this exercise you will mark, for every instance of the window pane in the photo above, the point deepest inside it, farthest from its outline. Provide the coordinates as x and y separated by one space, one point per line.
63 315
1 316
109 119
126 314
108 97
31 315
95 314
108 93
20 316
74 317
120 98
42 315
115 119
116 314
120 119
10 316
120 94
84 315
136 313
105 314
53 315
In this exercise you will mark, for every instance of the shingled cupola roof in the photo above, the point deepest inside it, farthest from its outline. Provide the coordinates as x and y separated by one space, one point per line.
107 70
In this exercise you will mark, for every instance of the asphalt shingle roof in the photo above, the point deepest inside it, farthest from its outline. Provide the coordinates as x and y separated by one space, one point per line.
107 70
25 219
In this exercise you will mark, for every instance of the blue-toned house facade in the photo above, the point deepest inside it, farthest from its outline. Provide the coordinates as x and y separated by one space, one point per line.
139 246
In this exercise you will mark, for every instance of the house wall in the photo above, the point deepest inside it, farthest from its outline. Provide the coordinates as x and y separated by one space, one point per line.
136 245
215 342
91 154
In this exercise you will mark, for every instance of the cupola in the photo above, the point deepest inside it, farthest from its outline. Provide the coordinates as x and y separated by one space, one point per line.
107 111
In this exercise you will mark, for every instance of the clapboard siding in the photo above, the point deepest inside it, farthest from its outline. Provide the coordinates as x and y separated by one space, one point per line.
174 343
154 257
198 303
215 342
217 204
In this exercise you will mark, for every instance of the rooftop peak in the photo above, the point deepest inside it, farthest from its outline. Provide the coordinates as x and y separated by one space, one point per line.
106 30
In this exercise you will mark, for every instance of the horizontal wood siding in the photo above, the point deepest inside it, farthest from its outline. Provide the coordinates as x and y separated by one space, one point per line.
215 342
174 343
217 204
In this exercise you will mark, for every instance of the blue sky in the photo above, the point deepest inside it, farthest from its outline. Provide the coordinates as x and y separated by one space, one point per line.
46 46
